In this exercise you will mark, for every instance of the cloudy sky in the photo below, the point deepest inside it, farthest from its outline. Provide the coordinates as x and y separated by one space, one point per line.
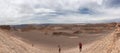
58 11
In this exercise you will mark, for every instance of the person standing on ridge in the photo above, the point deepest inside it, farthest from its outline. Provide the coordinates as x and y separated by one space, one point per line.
80 46
59 48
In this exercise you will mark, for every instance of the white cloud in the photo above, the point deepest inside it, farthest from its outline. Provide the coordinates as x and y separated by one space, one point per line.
55 11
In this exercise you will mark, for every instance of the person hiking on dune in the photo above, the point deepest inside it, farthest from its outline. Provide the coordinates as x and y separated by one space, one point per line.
80 46
59 48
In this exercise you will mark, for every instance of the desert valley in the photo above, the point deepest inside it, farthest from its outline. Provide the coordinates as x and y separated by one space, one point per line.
45 38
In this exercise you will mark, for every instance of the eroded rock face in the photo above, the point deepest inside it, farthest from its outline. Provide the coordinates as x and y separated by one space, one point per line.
63 33
5 27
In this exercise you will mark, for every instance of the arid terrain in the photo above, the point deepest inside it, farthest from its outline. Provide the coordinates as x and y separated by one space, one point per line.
45 38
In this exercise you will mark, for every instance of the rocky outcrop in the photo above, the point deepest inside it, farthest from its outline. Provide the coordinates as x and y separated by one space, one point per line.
5 27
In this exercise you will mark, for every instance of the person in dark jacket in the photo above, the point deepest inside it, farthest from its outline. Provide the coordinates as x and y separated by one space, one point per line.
80 46
59 48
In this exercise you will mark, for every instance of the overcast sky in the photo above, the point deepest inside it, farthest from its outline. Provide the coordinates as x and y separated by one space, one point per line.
58 11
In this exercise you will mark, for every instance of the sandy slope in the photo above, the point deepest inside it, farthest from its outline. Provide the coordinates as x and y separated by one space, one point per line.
108 44
10 44
49 43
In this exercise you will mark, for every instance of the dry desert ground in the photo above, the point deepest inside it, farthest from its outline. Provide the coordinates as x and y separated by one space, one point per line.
95 38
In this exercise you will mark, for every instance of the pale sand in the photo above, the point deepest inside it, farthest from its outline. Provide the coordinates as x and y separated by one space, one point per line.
36 43
49 43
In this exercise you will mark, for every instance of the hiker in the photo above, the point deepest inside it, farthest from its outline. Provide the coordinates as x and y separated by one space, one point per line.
32 45
59 48
80 46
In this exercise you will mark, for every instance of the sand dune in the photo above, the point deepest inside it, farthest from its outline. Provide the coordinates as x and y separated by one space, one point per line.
33 42
109 44
10 44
